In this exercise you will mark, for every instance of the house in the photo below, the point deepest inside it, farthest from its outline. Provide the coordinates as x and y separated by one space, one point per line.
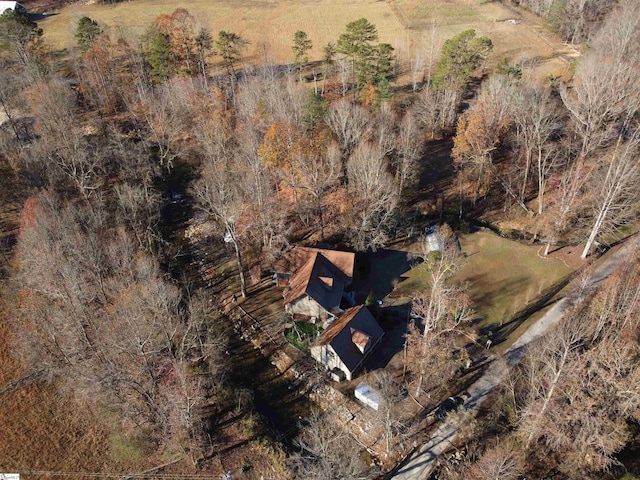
316 290
316 282
348 341
15 6
296 258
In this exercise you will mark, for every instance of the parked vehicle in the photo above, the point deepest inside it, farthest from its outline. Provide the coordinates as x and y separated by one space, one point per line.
449 405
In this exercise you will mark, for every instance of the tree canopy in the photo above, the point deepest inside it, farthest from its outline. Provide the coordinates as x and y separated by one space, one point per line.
159 53
86 32
371 63
229 45
461 55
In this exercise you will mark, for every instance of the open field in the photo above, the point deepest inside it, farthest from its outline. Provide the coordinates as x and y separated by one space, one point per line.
265 24
503 276
527 40
269 25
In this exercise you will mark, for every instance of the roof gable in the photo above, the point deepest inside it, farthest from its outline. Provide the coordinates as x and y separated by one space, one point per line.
296 258
352 335
320 279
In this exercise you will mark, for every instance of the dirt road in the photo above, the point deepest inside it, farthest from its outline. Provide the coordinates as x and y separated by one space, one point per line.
419 465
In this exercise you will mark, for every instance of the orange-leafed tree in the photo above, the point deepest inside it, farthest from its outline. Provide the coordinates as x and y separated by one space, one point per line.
277 151
277 147
180 27
480 131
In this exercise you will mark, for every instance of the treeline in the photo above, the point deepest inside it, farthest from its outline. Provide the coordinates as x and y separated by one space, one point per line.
576 21
575 148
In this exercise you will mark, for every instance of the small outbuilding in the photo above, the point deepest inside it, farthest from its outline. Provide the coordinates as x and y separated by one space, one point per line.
432 240
366 395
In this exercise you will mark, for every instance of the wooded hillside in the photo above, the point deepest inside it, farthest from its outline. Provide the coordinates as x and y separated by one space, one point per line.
118 175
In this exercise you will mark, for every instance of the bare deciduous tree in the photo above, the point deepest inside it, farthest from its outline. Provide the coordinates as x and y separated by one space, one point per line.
219 195
536 119
616 190
166 114
139 206
373 195
319 173
351 124
605 84
327 451
501 462
409 150
441 309
479 133
437 111
579 386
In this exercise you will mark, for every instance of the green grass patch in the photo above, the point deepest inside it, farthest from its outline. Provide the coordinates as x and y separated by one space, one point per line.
620 232
416 280
504 276
123 448
302 334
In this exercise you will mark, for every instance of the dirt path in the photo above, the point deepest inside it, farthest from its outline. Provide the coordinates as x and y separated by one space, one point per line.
419 465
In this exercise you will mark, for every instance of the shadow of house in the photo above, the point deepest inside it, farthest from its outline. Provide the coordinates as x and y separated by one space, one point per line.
36 17
348 342
379 272
394 321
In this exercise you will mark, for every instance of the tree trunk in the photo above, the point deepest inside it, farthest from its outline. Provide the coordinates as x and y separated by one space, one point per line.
243 285
594 232
541 182
527 167
11 120
549 395
321 218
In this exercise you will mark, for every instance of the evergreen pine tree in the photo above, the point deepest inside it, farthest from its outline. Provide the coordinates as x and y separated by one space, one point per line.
86 32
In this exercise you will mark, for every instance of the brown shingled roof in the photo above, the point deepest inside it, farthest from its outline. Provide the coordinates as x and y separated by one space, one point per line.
312 280
295 259
338 325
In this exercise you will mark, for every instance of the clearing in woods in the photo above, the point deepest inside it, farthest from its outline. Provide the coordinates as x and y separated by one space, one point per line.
269 25
503 276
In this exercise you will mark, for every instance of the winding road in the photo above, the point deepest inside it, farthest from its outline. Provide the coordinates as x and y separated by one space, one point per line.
418 466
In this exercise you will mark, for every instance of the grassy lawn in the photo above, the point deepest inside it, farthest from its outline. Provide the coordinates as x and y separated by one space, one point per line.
503 276
269 25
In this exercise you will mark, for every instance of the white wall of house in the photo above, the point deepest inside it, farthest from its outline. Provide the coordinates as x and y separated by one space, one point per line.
11 6
306 305
328 357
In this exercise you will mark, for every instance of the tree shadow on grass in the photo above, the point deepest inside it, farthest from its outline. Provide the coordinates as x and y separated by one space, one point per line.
545 299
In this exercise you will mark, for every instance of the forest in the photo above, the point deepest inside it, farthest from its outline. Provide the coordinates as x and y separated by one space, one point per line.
125 161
